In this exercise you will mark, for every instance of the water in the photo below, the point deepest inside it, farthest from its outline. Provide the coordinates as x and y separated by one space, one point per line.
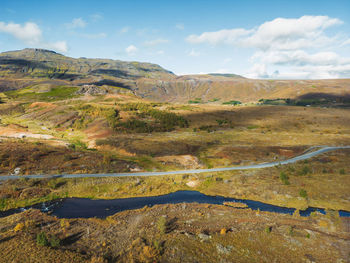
86 208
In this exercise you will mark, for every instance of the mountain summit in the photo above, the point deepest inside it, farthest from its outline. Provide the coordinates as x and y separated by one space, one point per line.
31 66
34 62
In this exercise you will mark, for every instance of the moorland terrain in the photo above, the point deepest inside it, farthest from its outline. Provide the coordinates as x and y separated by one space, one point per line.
82 116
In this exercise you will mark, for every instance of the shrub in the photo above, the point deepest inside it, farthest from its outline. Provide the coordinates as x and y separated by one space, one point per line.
268 229
149 254
3 203
67 157
342 171
284 178
162 225
80 144
55 183
55 241
157 120
41 239
303 193
208 128
195 101
291 230
305 170
19 227
221 122
232 102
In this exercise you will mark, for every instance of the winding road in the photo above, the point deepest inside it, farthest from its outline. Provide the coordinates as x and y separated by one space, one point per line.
306 155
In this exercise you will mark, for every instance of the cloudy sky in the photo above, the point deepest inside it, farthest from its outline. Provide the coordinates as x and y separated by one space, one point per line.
257 39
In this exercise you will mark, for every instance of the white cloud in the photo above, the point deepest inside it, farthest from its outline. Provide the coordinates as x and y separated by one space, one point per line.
131 50
224 36
160 52
300 58
28 32
291 34
222 71
346 42
280 33
96 17
60 46
194 53
180 26
155 42
125 29
257 71
302 44
94 36
76 23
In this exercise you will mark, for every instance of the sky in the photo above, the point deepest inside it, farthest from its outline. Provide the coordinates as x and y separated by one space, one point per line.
255 38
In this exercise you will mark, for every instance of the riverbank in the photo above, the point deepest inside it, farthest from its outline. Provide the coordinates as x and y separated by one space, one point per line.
177 232
102 208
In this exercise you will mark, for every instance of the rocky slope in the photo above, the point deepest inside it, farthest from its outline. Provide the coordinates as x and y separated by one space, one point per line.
29 67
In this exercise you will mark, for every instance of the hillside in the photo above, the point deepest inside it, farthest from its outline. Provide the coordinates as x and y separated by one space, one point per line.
29 67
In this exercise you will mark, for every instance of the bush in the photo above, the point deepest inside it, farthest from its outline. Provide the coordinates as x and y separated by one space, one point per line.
303 193
291 231
284 178
156 120
232 102
195 101
41 239
55 241
19 227
162 225
342 171
305 170
3 203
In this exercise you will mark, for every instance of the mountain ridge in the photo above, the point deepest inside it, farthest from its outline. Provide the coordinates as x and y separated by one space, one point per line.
27 67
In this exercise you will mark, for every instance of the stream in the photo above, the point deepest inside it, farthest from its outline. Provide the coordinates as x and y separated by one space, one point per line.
101 208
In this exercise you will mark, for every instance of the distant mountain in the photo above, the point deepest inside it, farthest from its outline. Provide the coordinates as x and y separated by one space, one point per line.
225 75
32 67
49 64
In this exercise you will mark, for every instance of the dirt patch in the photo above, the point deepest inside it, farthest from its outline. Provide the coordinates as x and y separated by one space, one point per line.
193 183
13 131
186 161
42 105
34 192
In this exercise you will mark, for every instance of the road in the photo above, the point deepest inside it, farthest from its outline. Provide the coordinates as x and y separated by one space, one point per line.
305 156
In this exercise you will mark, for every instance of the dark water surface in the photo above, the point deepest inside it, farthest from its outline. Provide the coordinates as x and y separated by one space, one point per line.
86 208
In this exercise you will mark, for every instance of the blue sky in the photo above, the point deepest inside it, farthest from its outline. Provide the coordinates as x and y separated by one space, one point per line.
258 39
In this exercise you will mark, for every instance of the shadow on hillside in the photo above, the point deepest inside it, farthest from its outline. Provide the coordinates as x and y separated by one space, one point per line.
72 239
326 96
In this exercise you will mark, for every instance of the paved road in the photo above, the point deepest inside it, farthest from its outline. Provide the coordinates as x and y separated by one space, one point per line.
307 155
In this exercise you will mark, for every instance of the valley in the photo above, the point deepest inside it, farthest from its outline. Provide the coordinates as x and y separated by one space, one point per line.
67 116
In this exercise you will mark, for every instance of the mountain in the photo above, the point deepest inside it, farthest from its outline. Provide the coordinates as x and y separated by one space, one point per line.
46 63
29 67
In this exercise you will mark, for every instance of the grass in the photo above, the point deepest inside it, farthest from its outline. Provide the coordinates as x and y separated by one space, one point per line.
276 133
319 189
57 93
249 236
